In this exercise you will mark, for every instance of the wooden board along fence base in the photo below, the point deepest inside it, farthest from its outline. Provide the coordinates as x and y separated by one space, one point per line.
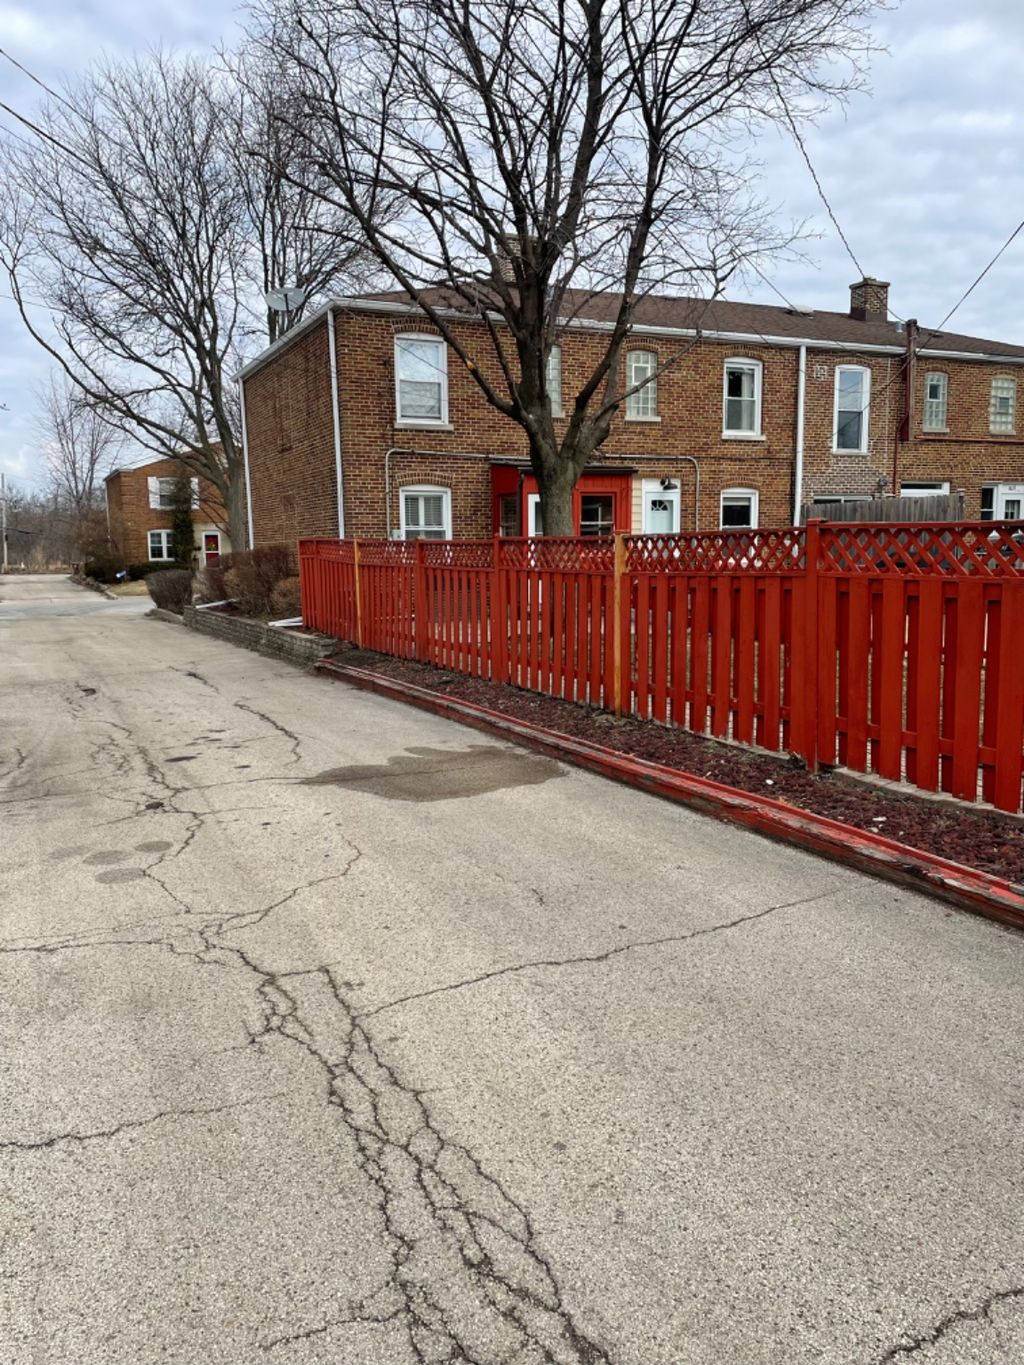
965 887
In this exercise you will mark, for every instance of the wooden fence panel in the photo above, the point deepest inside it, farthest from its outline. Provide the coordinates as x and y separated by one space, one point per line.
892 648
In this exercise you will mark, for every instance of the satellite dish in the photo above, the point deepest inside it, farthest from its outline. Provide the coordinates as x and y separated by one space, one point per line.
285 300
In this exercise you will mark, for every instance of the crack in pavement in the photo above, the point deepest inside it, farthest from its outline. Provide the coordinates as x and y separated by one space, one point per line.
466 1268
584 958
983 1313
276 725
43 1144
290 1338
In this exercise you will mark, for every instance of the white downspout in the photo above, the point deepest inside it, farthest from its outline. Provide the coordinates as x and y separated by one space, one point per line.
245 463
336 413
798 471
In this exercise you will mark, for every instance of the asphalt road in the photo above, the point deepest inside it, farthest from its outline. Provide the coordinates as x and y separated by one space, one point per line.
330 1032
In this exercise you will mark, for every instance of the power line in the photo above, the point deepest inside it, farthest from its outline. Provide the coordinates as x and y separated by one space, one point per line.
978 279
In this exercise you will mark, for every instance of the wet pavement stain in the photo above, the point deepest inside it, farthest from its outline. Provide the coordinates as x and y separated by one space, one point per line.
154 846
107 855
422 774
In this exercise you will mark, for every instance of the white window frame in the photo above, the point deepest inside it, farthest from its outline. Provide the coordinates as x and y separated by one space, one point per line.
755 509
924 488
553 381
430 490
861 449
939 406
642 406
651 488
532 513
757 369
442 367
166 545
1010 390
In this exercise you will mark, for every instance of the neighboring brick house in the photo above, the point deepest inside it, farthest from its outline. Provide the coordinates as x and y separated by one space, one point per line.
139 515
768 408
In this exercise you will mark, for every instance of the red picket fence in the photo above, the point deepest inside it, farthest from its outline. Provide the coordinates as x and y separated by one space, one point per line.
888 648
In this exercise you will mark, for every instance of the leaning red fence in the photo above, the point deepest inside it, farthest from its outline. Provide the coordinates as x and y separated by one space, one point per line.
890 649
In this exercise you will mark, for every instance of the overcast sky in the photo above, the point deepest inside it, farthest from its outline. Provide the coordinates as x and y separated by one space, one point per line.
924 172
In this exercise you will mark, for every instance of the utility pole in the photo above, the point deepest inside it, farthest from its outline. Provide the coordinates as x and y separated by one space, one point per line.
3 518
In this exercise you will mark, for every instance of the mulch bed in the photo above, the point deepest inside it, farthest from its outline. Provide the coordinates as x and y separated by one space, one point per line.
979 838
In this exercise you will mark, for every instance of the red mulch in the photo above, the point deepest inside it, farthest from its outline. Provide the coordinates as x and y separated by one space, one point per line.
980 838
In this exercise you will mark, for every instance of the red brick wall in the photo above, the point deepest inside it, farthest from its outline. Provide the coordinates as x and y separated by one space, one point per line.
969 456
132 518
291 448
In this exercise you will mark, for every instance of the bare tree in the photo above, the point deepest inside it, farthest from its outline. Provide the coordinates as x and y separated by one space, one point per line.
148 209
80 446
297 239
123 217
544 152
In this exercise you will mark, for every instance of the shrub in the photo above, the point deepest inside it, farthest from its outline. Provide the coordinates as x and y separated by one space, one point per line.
253 576
210 581
170 589
137 571
286 599
103 568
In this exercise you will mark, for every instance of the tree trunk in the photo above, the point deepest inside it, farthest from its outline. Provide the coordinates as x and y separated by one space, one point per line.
556 489
238 520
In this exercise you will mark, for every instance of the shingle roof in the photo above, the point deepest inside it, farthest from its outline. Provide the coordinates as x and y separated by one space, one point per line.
748 319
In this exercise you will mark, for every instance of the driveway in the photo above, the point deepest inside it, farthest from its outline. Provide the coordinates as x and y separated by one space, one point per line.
332 1032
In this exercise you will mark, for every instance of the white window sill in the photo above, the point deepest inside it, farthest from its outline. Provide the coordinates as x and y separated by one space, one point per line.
837 451
628 418
935 431
743 436
1001 433
409 425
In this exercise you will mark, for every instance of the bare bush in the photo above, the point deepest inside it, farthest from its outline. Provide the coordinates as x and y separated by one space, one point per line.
170 589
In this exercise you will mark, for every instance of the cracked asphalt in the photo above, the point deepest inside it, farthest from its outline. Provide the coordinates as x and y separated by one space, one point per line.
330 1032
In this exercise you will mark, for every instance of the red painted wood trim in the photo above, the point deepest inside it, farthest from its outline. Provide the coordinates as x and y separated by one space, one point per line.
966 887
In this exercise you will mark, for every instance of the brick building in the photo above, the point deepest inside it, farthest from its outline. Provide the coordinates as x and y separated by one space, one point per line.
139 514
768 408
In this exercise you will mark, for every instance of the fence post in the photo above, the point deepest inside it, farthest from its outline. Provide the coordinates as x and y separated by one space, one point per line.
498 623
618 574
359 593
807 681
421 603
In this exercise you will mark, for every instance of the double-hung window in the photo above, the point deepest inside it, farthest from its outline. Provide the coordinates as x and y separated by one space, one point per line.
421 380
642 406
163 491
426 513
936 395
554 380
161 545
852 407
741 414
738 508
1003 407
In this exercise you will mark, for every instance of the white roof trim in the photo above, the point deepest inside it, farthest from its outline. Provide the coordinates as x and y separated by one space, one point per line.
990 356
357 305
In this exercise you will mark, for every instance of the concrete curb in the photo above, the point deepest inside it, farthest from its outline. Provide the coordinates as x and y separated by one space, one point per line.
884 858
92 585
162 614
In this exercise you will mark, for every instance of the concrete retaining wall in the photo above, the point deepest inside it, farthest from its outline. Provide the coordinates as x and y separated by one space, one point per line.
305 649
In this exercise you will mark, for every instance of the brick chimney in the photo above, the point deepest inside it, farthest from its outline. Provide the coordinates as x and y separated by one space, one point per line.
869 300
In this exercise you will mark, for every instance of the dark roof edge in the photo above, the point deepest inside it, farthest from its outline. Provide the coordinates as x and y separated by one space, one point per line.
356 304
